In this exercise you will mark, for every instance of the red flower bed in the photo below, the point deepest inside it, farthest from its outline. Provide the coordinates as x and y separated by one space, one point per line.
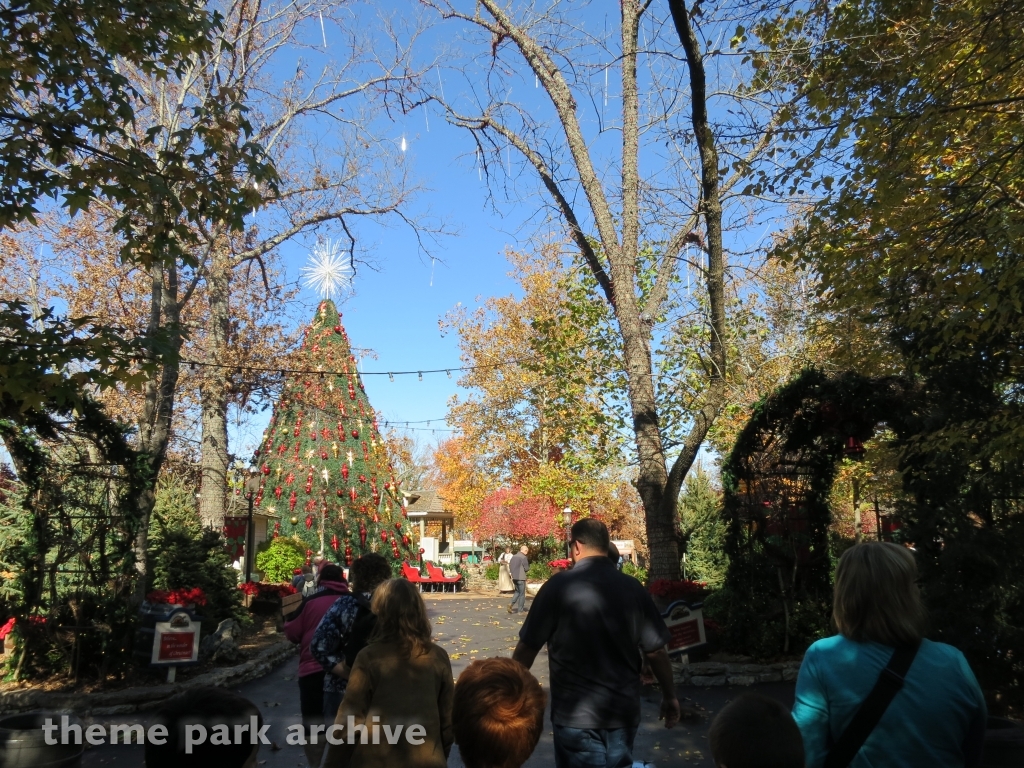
267 591
563 563
177 596
691 591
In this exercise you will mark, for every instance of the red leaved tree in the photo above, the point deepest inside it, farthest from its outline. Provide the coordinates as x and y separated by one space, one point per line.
513 514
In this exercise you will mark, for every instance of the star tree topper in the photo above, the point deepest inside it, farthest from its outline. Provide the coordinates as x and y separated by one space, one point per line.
329 271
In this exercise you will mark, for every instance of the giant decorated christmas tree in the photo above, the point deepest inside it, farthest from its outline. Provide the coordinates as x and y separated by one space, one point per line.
323 466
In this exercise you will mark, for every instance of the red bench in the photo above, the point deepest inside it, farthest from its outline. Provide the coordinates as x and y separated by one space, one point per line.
437 577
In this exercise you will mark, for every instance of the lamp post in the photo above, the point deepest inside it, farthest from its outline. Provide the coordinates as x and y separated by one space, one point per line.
567 514
252 487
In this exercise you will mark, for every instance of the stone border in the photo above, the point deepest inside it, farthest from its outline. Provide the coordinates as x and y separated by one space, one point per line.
137 699
706 674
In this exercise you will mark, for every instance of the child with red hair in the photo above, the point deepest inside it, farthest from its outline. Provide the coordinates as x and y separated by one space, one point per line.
497 714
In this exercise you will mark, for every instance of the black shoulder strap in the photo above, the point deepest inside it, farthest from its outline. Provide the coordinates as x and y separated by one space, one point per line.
871 709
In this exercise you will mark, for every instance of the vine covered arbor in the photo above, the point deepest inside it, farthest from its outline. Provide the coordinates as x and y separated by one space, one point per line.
958 504
777 481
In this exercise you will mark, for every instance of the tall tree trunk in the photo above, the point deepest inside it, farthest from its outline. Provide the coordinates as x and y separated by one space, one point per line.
214 458
158 409
652 478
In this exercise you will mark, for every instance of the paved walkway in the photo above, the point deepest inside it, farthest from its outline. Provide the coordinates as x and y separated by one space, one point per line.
470 629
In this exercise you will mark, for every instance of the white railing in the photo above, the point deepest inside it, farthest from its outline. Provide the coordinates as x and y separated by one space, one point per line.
446 557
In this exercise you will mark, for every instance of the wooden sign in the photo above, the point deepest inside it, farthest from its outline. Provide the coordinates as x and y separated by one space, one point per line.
176 641
686 624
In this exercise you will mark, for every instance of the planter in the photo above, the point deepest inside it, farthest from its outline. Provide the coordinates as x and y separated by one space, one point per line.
264 606
23 745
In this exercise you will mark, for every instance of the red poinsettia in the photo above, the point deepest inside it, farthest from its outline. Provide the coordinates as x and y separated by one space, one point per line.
685 589
563 563
194 596
267 591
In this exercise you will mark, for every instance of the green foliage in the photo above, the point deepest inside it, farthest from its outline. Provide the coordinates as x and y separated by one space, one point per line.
491 571
175 508
67 113
180 560
280 559
539 571
638 573
700 513
70 523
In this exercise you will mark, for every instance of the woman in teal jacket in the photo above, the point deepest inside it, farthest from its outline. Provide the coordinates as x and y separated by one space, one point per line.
936 720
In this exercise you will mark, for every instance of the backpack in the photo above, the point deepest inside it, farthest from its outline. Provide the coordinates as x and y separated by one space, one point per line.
362 628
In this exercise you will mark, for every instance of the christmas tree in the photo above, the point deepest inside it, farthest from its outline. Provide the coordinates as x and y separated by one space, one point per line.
323 466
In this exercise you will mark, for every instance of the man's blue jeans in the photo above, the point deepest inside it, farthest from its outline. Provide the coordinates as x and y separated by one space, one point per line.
594 747
519 596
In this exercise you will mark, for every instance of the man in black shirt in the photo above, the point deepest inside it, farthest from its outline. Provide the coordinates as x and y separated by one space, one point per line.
598 623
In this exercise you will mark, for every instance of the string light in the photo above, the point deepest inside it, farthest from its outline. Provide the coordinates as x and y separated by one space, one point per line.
421 375
391 376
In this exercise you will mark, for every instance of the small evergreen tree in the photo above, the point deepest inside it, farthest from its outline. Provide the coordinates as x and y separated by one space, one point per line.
700 506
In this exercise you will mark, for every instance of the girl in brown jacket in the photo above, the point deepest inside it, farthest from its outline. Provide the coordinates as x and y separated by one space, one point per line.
397 709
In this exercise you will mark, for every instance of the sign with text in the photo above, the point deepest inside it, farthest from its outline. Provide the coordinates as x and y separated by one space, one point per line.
176 641
686 625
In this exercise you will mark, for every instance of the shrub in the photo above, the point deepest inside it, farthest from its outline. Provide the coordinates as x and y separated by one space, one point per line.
491 572
279 560
539 571
182 562
638 573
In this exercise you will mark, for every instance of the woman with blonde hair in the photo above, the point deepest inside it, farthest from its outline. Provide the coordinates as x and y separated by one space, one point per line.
397 709
878 694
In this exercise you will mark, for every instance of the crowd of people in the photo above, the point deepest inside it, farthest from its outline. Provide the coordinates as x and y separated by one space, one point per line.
877 694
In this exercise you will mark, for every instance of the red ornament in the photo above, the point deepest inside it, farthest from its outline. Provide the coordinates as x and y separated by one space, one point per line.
334 542
265 469
289 478
362 478
355 433
405 541
341 492
282 448
277 492
341 432
348 554
325 433
337 329
398 526
277 529
362 535
309 522
344 471
323 455
352 493
375 518
384 536
291 501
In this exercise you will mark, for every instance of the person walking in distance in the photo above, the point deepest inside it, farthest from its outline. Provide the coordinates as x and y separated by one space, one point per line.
518 567
598 625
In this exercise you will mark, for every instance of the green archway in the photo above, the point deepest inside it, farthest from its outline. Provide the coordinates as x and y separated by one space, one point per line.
777 480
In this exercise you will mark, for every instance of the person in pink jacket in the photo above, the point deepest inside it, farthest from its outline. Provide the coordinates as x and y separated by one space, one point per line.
331 586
